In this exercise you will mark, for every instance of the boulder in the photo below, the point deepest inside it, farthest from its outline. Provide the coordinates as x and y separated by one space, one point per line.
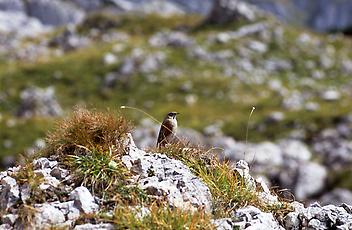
252 218
226 11
294 149
164 177
223 224
84 200
47 215
20 24
38 102
311 180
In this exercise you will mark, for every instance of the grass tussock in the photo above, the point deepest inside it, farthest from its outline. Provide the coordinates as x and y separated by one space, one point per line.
228 188
100 171
87 129
90 144
160 217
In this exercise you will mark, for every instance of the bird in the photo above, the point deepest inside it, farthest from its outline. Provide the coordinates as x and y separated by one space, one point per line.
167 129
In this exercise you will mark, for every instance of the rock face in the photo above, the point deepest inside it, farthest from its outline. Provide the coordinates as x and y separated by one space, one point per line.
321 15
53 12
11 5
248 218
312 217
225 11
84 200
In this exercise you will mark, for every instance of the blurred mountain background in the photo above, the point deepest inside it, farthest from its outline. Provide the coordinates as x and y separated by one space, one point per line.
210 60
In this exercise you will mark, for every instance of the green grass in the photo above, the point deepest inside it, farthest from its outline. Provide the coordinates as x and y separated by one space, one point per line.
78 78
22 133
98 170
341 179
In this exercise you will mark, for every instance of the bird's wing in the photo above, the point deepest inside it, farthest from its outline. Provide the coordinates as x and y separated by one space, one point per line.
165 131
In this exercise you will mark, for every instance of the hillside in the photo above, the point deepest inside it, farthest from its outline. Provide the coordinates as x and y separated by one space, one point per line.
298 82
91 175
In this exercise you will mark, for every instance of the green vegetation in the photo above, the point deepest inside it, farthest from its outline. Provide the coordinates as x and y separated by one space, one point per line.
341 179
91 144
78 78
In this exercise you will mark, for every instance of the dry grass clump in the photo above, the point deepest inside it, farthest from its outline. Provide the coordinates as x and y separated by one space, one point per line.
228 188
192 156
90 129
91 144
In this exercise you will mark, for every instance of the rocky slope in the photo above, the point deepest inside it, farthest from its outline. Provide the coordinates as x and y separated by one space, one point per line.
298 81
68 204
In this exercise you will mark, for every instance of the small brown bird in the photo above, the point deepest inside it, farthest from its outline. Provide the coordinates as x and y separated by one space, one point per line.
167 129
